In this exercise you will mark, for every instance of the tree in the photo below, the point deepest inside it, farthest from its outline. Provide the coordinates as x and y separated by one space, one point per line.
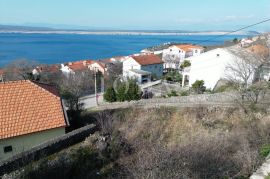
171 61
20 70
199 87
74 86
185 64
110 95
126 90
235 40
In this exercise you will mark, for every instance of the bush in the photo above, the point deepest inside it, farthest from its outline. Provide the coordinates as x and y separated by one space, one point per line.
172 93
185 64
199 87
124 91
265 150
184 93
173 76
110 95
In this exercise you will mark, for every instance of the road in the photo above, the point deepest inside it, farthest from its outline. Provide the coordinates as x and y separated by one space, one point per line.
90 100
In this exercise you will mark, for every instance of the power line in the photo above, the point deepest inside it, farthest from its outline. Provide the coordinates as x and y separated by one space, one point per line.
243 28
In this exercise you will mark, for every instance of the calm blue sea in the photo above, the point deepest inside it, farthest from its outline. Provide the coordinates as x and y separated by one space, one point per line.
57 48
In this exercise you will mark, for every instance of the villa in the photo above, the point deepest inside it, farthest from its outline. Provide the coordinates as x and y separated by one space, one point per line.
144 68
175 55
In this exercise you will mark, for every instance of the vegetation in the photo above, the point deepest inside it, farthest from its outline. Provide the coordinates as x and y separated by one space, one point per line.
265 150
164 143
198 87
173 93
185 64
110 95
235 40
184 93
173 76
123 91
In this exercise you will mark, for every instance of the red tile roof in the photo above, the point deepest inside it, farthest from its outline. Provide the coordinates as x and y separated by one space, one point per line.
80 65
147 59
187 48
28 107
260 50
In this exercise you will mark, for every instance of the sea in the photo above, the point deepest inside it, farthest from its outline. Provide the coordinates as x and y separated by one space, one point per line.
61 48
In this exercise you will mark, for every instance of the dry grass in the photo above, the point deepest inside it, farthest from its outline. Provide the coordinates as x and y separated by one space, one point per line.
210 142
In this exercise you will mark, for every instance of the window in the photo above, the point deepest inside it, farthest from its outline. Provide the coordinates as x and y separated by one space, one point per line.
196 51
7 149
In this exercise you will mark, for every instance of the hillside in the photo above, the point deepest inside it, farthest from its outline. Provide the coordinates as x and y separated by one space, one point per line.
167 142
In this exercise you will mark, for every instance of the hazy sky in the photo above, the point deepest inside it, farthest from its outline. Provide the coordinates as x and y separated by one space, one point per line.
137 14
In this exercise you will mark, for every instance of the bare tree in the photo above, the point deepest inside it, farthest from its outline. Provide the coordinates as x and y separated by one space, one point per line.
244 74
75 86
173 61
19 70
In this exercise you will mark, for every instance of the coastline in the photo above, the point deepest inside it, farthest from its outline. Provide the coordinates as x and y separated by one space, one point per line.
121 32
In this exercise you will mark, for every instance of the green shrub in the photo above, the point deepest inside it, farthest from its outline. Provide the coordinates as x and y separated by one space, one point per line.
265 150
198 87
124 91
185 64
172 93
184 93
174 76
110 95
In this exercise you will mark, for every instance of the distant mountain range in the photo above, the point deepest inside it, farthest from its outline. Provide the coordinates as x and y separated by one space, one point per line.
47 30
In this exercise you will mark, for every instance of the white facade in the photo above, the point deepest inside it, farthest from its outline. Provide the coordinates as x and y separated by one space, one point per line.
210 67
66 70
175 55
143 73
128 66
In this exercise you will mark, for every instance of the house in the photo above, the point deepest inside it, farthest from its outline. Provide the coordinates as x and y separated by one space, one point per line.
212 65
175 55
98 66
143 68
246 42
72 67
30 114
45 69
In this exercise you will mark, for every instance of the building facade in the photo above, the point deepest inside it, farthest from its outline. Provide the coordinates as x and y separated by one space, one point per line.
143 67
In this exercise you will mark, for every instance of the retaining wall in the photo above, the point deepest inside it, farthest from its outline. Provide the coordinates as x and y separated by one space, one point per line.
45 149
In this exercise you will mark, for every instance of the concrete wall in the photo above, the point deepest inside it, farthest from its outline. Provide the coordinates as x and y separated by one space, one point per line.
25 142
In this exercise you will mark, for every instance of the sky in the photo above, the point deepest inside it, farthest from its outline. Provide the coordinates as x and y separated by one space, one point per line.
137 14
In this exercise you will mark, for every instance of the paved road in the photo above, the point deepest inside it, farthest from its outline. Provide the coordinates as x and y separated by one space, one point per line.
90 101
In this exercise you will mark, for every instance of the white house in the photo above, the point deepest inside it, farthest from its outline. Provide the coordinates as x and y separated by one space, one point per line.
212 65
246 42
72 67
143 68
175 55
98 66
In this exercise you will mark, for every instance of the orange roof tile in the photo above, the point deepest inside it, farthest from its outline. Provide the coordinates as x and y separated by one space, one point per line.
147 59
260 50
28 107
188 47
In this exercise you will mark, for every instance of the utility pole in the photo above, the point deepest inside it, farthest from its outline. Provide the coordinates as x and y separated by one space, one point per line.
96 97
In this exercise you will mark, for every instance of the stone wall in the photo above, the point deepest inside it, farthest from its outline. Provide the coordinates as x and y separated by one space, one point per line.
45 149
